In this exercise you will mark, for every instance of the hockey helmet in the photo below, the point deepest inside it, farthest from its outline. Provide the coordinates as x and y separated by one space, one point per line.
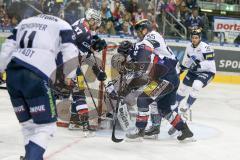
93 14
142 24
196 32
125 47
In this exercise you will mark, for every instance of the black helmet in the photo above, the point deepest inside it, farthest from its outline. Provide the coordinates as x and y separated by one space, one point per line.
142 24
125 47
196 32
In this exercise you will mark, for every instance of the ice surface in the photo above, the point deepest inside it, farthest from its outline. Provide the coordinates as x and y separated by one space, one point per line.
216 125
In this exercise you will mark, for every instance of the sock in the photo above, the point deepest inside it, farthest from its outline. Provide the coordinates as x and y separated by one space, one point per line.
179 98
34 151
190 101
156 119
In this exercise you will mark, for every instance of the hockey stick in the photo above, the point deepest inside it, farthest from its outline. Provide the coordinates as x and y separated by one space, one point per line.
94 103
114 139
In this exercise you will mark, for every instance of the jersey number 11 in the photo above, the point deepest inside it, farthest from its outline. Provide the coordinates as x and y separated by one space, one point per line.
30 39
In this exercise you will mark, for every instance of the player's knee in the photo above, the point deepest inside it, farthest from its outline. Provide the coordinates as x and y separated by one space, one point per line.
196 87
143 103
183 90
43 133
154 108
27 130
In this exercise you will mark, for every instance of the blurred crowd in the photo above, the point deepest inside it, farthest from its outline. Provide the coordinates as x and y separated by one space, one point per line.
118 16
224 1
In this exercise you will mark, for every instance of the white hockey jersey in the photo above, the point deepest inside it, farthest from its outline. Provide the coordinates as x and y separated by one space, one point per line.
35 43
156 42
203 53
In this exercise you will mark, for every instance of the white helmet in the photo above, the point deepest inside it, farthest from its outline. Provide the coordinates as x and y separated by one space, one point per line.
93 14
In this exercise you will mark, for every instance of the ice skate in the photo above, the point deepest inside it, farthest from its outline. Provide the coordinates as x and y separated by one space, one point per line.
74 125
22 158
153 131
135 135
186 134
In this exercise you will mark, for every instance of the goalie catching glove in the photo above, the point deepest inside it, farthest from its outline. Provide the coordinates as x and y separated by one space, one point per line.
98 44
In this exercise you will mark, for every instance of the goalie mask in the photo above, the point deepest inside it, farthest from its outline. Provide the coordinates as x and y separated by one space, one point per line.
93 15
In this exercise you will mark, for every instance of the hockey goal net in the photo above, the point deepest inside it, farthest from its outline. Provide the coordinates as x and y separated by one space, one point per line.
94 90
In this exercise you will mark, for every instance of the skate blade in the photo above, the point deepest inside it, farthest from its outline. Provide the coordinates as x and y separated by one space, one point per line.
74 129
188 140
87 134
155 136
140 139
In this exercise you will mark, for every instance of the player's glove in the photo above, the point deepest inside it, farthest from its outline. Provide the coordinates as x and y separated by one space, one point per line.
195 66
99 73
98 44
182 69
110 89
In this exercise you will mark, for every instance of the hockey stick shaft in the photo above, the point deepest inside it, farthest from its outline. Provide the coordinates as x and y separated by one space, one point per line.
114 139
94 103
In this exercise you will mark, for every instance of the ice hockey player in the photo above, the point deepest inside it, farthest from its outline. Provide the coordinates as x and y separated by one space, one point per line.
154 60
87 42
200 65
28 56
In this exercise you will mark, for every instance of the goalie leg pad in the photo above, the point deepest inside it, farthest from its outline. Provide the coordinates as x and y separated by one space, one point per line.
124 117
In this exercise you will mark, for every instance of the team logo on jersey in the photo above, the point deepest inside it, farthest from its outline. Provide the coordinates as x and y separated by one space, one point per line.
74 37
19 109
36 109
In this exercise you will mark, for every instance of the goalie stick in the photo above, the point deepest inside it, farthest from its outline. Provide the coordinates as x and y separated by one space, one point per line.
115 112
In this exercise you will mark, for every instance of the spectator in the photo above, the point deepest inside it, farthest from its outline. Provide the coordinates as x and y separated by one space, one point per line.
2 14
6 23
132 6
14 21
117 11
126 29
205 26
237 40
101 29
110 28
138 15
117 15
194 21
72 13
171 7
191 4
52 7
106 12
